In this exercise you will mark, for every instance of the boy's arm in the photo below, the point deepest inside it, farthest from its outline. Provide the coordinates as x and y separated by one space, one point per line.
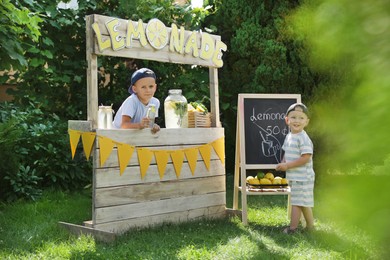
127 124
305 158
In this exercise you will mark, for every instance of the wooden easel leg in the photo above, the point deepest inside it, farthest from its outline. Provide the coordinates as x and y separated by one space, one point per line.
236 169
288 206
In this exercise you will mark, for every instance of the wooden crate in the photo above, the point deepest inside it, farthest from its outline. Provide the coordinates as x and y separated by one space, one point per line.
198 119
123 202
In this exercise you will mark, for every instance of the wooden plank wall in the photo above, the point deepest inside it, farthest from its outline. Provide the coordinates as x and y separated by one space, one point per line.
122 202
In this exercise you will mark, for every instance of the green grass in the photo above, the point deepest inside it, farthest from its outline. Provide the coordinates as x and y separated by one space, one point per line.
30 230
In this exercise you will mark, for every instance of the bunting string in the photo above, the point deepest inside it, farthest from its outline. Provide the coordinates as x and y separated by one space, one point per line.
145 155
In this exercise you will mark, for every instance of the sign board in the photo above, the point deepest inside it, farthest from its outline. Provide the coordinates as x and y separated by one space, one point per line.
262 127
155 41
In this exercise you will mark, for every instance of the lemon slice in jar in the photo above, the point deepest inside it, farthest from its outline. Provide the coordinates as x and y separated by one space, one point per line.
157 33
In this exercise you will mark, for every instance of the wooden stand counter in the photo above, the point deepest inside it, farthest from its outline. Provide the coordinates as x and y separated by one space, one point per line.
124 201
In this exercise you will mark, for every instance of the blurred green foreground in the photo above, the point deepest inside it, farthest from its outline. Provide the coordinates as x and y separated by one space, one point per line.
350 40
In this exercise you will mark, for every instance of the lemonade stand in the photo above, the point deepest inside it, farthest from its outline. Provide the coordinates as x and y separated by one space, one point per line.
142 179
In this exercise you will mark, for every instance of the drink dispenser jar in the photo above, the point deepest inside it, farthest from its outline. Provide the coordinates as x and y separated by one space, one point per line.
105 117
175 109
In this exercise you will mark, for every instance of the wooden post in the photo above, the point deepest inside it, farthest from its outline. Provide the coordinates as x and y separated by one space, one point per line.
92 81
214 97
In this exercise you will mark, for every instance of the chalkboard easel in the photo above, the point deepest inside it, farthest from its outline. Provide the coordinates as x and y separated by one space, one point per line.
261 129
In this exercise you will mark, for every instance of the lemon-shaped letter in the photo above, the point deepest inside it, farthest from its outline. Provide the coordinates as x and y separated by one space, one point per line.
157 33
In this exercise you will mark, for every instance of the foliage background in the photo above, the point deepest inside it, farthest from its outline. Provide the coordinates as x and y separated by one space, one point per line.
19 29
334 53
262 57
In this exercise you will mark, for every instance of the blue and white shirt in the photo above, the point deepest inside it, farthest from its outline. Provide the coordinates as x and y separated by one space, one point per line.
294 146
134 108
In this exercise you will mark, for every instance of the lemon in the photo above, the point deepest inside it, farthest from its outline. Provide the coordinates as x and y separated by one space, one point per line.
277 180
252 180
200 109
172 104
255 181
157 33
190 107
269 176
249 178
284 181
265 181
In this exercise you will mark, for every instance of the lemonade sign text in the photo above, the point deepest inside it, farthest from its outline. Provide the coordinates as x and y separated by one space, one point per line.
158 36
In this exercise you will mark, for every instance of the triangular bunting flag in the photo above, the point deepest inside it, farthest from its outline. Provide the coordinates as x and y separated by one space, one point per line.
177 159
162 157
74 137
125 151
105 145
219 148
144 159
192 158
88 138
205 151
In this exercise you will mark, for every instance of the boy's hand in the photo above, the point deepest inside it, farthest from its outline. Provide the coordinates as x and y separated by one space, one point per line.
144 123
281 167
155 128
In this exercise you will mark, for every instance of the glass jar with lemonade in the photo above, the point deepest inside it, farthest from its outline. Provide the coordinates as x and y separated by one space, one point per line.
175 110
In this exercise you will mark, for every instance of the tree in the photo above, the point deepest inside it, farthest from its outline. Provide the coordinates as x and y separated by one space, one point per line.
19 30
262 57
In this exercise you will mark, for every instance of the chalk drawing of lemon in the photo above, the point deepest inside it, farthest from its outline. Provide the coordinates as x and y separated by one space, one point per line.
157 33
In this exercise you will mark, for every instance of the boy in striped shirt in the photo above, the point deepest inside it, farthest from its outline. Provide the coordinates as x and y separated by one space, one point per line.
298 165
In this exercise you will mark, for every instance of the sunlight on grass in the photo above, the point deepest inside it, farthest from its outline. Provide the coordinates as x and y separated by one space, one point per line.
241 247
36 235
192 252
74 249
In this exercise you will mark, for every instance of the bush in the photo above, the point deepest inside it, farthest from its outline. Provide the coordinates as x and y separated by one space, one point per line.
23 184
9 137
36 153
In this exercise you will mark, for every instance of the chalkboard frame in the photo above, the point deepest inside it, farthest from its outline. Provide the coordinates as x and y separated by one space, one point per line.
242 123
241 165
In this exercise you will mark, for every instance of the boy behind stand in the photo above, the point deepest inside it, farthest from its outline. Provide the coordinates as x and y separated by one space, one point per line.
132 113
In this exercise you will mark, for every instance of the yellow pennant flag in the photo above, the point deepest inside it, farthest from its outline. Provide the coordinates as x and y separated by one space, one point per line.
162 157
192 158
205 151
88 138
219 148
144 159
105 145
177 159
74 137
125 151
